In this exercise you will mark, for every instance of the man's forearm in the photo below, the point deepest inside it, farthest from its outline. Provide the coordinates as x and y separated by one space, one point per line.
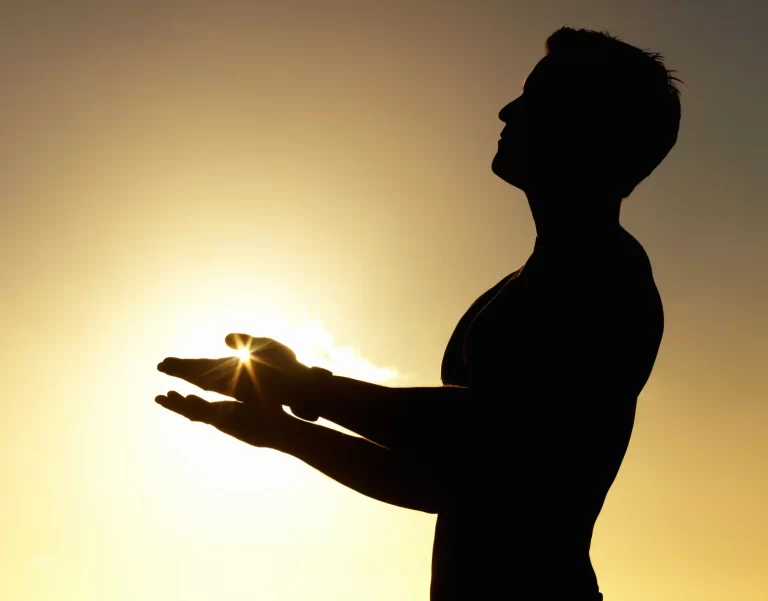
374 471
392 417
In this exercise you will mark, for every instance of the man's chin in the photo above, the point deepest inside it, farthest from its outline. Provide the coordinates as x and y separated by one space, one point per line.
502 170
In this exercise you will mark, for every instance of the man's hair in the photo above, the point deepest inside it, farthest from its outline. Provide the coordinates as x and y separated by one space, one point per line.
635 98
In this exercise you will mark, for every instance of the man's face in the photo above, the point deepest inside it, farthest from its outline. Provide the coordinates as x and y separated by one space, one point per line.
540 140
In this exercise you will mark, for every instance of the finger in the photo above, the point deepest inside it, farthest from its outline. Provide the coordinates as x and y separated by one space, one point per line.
221 414
193 407
218 375
231 417
218 413
174 365
254 344
268 350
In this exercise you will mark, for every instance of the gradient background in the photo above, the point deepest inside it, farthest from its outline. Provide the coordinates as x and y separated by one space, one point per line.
320 172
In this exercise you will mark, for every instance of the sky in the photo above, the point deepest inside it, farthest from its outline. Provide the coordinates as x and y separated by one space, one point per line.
319 172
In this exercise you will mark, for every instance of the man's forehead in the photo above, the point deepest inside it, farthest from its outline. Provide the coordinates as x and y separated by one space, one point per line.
545 72
551 72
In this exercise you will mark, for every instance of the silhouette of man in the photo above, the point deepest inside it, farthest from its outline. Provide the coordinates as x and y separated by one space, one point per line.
519 447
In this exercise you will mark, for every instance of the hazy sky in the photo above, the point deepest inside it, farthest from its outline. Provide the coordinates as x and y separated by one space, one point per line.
320 172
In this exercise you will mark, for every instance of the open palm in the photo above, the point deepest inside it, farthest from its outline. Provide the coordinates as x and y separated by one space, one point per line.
270 377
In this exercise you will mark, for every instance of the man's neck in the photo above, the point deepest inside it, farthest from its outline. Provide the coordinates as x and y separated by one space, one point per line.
574 222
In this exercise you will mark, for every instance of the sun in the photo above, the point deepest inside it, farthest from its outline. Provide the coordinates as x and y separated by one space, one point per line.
244 354
221 461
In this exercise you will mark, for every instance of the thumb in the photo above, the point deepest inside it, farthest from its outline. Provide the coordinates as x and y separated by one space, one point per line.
239 341
259 345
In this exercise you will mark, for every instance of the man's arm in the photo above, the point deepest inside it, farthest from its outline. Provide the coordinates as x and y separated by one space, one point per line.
396 418
398 479
391 417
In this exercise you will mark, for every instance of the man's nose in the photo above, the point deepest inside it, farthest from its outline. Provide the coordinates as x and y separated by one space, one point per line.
507 113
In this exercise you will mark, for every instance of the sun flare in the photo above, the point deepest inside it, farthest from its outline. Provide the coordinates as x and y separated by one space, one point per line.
244 354
221 461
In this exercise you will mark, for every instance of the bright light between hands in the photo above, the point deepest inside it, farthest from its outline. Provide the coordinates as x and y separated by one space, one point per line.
215 460
244 354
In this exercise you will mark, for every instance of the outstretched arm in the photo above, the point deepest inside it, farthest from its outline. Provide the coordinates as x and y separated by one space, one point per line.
384 475
396 478
406 419
397 418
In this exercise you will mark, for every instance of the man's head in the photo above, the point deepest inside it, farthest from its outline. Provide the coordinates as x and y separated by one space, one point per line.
596 115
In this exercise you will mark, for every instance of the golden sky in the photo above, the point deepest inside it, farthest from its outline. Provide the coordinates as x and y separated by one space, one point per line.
320 172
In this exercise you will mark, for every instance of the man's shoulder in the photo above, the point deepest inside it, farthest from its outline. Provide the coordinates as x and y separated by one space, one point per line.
627 294
595 270
623 268
611 288
635 274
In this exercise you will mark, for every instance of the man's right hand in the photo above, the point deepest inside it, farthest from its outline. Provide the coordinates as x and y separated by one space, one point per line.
270 377
246 422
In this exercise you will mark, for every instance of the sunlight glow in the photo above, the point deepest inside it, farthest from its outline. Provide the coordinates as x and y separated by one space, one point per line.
203 336
244 354
217 461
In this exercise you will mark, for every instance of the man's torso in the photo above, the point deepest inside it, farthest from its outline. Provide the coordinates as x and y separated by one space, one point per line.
556 354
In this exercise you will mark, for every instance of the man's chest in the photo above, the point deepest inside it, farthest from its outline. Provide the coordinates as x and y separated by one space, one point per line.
523 314
552 328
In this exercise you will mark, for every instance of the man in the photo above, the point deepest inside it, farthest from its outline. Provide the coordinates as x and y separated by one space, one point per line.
518 449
